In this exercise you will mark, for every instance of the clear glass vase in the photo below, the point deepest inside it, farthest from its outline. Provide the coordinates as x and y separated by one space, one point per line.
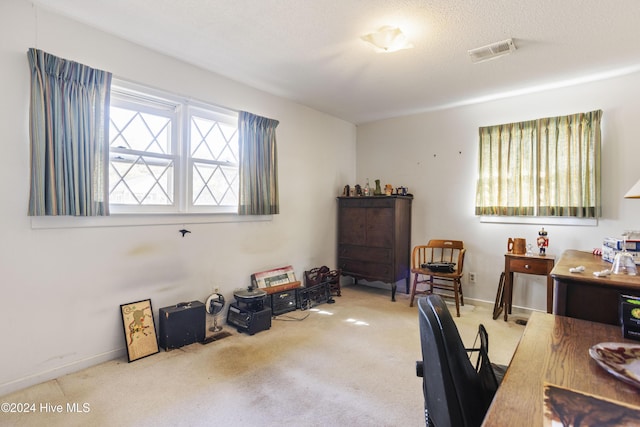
623 262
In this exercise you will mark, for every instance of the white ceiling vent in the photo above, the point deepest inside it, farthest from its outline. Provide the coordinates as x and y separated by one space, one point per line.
491 51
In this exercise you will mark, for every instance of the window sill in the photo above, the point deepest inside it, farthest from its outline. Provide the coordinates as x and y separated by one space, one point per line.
542 220
129 220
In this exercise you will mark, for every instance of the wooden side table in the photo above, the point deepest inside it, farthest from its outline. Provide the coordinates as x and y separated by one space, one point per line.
527 264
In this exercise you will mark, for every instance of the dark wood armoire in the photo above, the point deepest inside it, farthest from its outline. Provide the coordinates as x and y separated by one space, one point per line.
374 238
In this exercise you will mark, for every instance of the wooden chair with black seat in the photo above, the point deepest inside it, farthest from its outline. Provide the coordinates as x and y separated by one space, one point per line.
439 264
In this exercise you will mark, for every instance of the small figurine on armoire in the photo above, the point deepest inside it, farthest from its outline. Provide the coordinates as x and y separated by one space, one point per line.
543 241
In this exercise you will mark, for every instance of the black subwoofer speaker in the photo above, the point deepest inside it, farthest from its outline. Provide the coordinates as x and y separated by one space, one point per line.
283 302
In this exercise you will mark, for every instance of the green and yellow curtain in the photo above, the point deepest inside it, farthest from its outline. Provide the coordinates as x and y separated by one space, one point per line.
545 167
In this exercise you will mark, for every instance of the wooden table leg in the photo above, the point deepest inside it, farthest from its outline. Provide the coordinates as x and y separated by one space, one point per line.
508 281
549 294
508 291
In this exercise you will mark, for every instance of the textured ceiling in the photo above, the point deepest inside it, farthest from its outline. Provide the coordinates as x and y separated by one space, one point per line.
310 50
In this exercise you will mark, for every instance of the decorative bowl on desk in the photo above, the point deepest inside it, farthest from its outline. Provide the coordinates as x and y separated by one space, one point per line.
622 360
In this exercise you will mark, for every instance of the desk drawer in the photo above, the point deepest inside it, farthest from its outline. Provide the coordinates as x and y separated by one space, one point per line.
530 266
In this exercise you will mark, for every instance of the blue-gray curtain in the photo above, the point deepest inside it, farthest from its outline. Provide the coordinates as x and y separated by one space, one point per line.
258 165
68 126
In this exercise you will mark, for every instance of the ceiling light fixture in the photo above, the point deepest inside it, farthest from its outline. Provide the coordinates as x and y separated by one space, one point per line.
491 51
388 39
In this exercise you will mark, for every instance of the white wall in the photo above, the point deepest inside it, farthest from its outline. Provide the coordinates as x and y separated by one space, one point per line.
435 155
61 288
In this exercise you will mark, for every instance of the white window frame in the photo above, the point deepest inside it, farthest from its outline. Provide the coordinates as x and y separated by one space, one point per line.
179 110
218 114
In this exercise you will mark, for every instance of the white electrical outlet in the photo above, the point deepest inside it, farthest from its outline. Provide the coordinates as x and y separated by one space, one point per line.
472 277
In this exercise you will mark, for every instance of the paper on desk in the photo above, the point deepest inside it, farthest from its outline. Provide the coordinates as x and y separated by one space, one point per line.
576 408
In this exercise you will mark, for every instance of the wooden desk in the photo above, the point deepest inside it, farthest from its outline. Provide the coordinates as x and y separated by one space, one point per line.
585 296
555 349
528 264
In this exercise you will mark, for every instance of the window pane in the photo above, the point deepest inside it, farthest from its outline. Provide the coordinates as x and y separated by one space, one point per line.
213 140
139 131
138 180
215 185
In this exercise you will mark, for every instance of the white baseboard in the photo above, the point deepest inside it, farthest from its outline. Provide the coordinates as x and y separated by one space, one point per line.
40 377
515 310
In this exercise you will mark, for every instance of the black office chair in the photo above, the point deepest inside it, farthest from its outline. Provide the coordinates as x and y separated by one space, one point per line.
491 374
454 394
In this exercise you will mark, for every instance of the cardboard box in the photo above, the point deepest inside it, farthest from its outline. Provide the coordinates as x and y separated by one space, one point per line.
615 243
608 254
630 316
274 277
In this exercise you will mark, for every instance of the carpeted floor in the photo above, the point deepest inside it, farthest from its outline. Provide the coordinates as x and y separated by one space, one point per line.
351 363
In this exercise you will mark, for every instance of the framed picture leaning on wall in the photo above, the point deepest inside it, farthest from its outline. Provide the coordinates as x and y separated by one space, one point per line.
139 329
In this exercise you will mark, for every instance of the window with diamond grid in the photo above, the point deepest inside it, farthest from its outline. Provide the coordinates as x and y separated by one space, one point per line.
170 155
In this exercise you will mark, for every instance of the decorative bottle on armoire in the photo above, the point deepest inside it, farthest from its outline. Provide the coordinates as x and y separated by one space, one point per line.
367 189
378 190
